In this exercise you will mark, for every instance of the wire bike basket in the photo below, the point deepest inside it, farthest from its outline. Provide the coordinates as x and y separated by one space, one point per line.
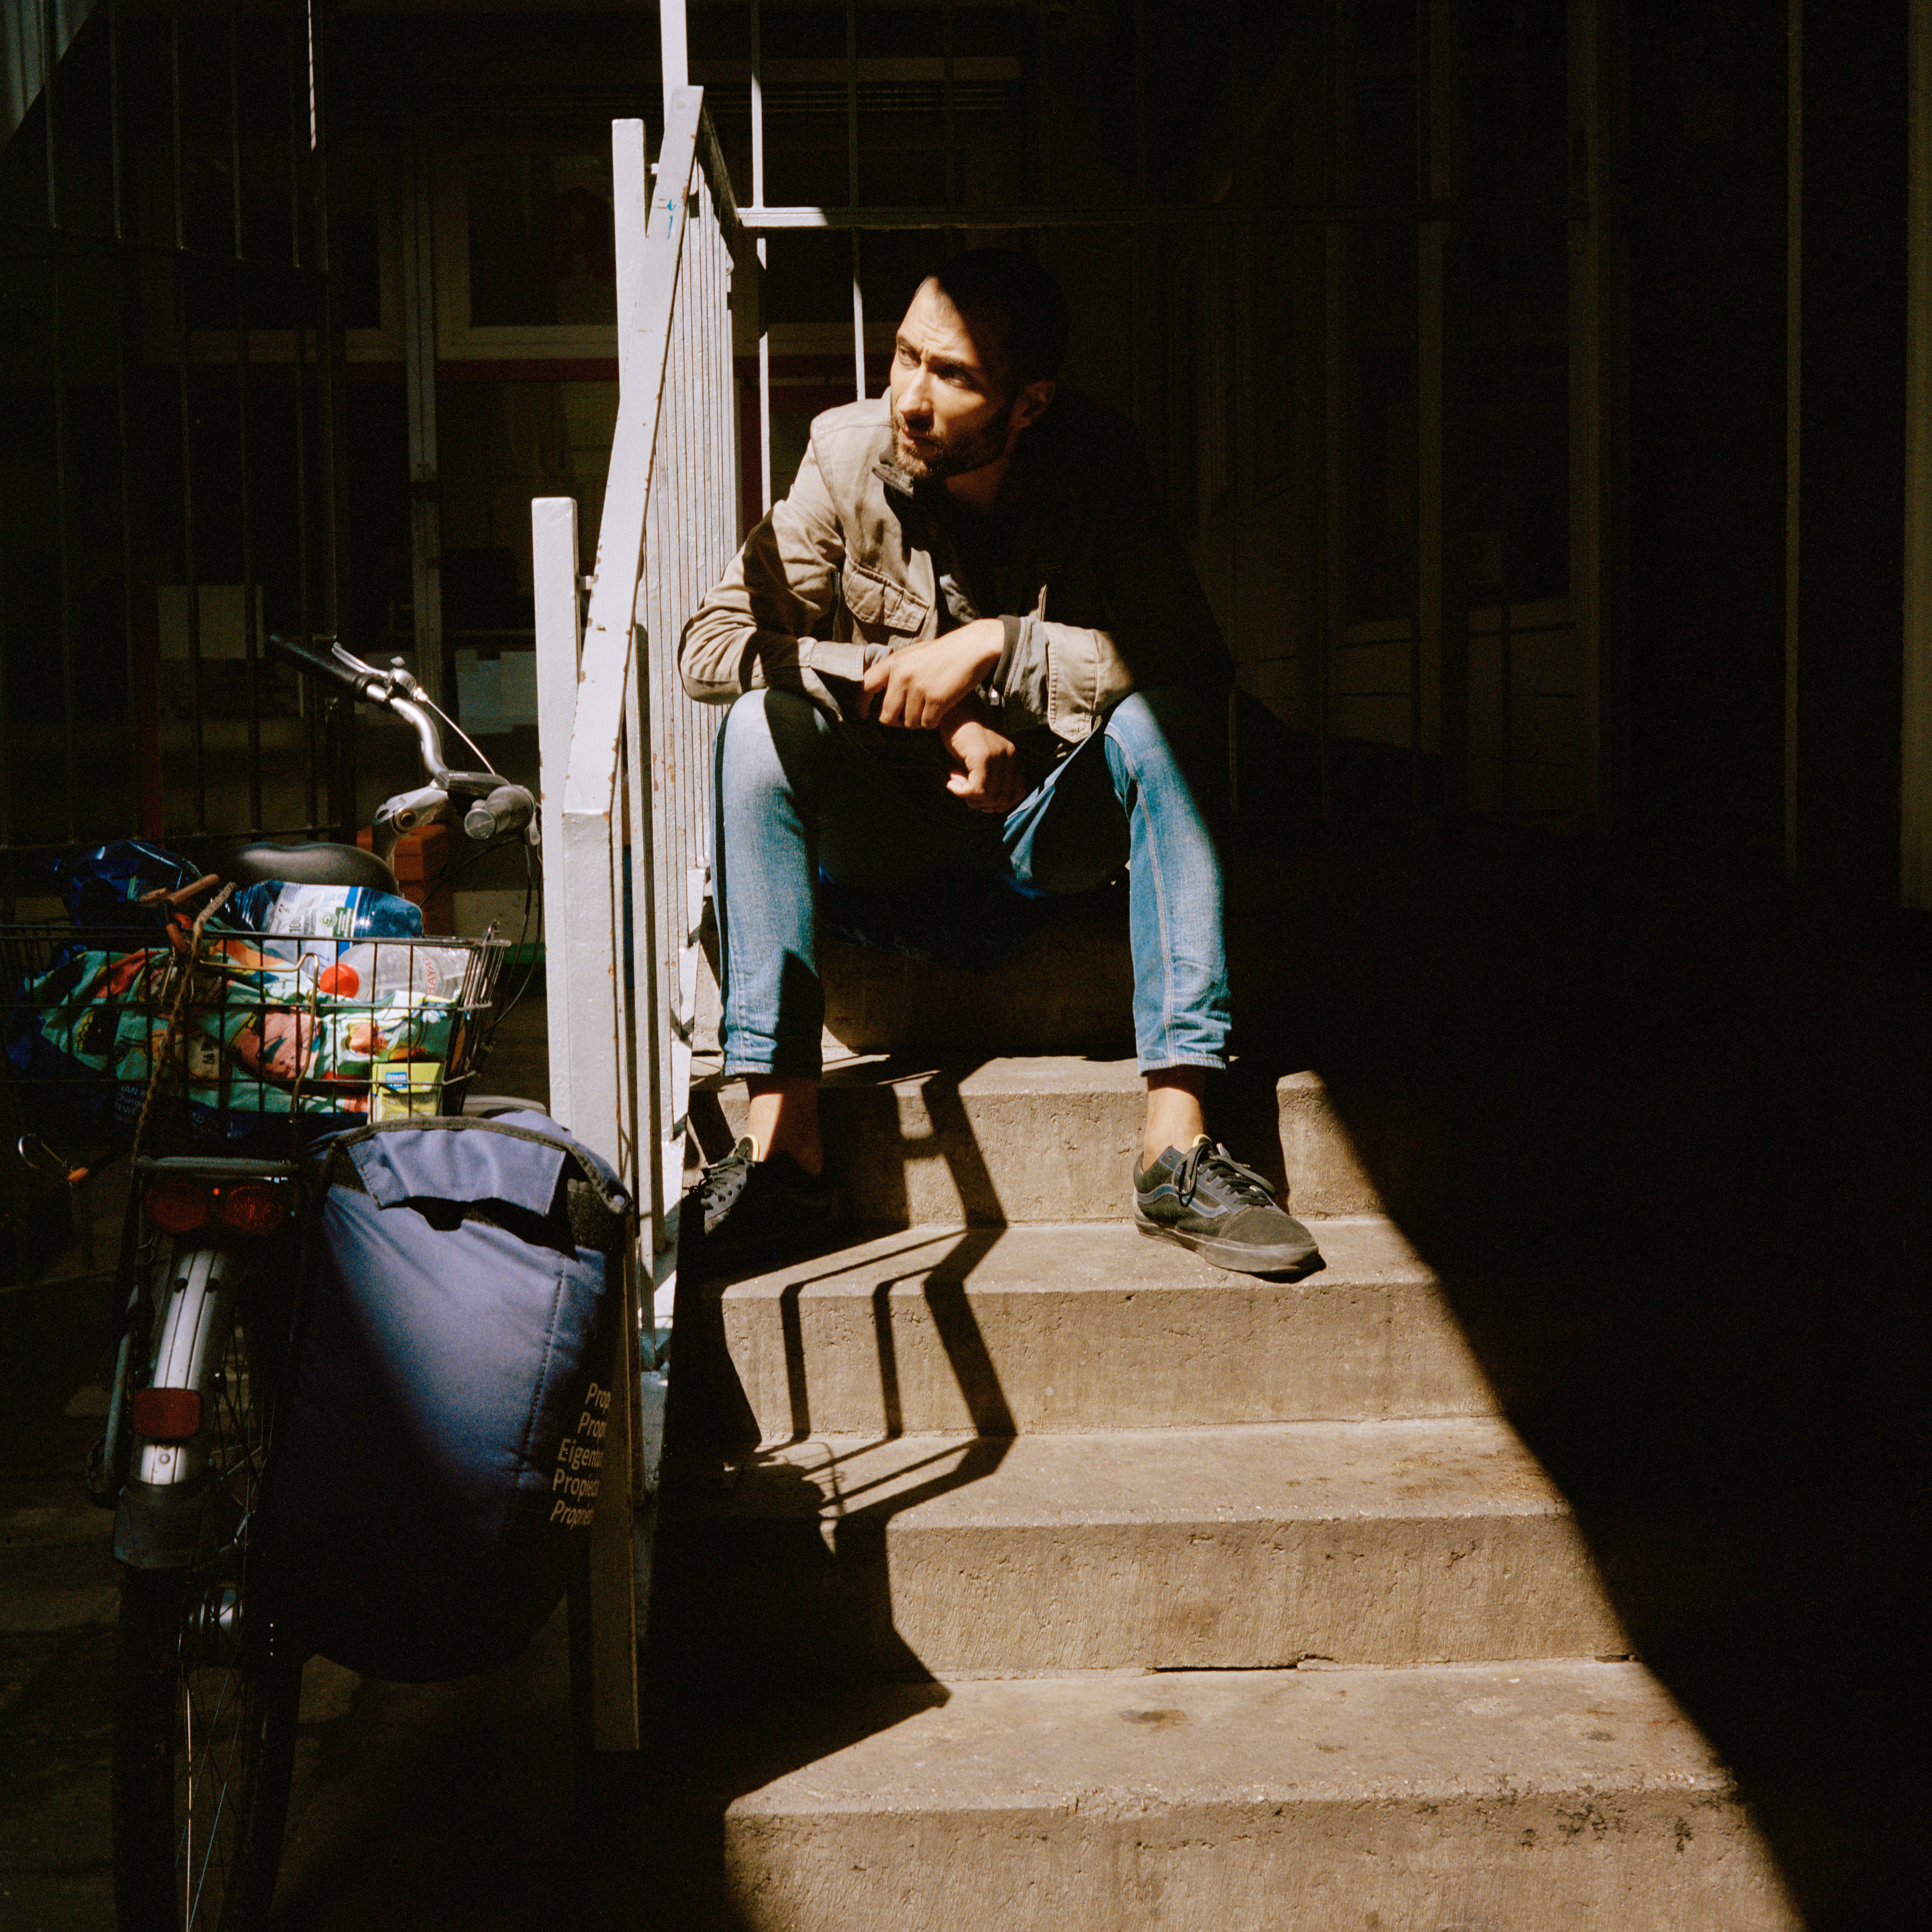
237 1034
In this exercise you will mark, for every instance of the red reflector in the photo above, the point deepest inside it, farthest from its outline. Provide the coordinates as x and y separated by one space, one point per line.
253 1209
177 1206
166 1415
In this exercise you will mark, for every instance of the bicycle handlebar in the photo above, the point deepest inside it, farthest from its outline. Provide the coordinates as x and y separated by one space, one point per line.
498 808
367 683
508 808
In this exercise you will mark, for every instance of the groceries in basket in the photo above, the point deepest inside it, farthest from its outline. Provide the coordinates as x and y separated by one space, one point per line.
131 885
126 884
257 1035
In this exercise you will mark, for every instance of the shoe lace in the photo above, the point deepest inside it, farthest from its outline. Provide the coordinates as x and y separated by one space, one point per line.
723 1182
1244 1181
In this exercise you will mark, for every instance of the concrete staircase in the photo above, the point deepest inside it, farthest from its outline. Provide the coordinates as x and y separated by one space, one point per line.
1056 1579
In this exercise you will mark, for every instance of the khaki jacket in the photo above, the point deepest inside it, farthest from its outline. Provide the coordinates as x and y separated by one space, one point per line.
1098 597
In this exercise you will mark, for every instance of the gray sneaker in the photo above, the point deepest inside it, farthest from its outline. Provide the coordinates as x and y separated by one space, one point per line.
1205 1200
746 1210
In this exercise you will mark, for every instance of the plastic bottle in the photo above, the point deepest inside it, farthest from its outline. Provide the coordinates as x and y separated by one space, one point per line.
423 971
340 912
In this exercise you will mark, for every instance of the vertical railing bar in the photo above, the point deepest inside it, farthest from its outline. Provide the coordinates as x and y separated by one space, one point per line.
1241 239
8 882
175 126
951 135
293 49
55 261
114 115
1136 398
624 842
49 62
1140 104
764 326
1425 164
191 594
331 426
251 642
300 294
1334 534
304 605
1510 504
641 1045
708 465
556 574
852 102
127 273
191 591
858 322
235 120
852 194
712 469
1231 251
419 387
1043 136
669 494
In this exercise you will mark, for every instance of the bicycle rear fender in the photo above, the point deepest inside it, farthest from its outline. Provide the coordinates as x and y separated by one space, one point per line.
162 1520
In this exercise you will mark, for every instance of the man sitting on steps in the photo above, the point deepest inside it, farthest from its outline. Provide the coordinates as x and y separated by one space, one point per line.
1023 683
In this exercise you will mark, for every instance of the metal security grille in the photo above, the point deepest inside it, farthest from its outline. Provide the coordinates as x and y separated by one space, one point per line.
1361 292
171 319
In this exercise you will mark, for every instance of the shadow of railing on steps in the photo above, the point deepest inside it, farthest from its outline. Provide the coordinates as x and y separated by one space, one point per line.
826 1522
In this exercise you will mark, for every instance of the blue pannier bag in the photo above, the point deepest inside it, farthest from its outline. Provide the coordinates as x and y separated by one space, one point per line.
430 1490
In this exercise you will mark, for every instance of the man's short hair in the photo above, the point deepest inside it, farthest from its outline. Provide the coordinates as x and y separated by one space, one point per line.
1019 289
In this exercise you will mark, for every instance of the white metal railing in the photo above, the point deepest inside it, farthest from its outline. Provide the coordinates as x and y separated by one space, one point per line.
626 782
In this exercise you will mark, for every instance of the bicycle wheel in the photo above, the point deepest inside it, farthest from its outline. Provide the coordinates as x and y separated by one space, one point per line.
204 1707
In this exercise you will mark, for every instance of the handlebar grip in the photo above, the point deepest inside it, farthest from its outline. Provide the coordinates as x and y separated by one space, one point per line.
507 809
318 664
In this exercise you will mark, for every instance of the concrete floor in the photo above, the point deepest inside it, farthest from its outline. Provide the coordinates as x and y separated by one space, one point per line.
1663 1137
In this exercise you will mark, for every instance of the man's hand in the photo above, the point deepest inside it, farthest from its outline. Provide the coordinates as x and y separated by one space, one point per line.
917 687
986 772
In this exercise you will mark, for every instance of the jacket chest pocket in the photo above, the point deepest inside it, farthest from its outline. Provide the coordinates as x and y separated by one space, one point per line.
882 609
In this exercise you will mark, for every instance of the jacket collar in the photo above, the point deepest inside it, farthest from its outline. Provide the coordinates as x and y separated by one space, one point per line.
1040 462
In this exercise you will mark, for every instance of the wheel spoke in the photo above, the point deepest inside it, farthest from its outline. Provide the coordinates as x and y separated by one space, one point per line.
201 1769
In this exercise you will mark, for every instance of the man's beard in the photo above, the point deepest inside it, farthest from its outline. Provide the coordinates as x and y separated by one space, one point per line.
958 457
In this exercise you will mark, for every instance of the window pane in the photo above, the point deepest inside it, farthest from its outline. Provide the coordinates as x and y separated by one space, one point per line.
542 251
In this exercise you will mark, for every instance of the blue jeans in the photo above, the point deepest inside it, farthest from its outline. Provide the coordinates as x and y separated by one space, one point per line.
796 797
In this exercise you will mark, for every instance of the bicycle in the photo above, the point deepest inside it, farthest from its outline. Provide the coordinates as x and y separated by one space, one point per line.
207 1682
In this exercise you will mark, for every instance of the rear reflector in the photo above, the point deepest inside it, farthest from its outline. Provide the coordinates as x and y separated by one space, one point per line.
166 1415
177 1206
254 1208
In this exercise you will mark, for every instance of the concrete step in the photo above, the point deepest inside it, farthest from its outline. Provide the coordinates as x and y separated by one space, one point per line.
1050 1139
1029 1329
1537 1796
1394 1543
1068 988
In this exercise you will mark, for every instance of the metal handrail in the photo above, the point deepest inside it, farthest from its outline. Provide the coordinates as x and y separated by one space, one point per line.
626 828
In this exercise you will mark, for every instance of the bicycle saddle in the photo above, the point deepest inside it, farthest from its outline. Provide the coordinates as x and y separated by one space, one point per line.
305 861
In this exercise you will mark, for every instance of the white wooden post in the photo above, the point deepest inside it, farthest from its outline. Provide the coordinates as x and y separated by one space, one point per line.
586 953
559 639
